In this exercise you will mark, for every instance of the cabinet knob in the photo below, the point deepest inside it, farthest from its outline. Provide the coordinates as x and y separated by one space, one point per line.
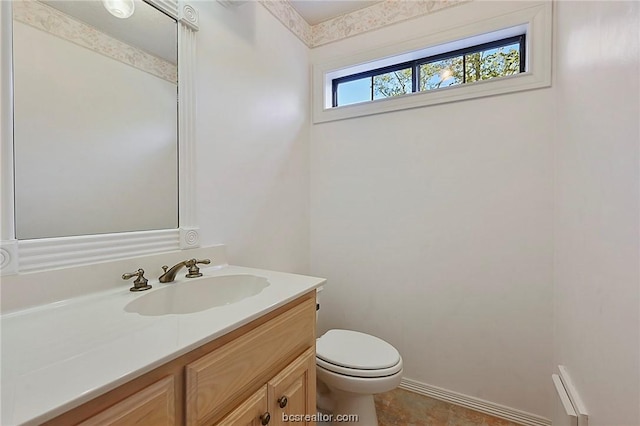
282 401
265 418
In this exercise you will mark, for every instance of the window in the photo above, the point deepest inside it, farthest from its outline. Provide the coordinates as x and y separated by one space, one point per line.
485 61
438 59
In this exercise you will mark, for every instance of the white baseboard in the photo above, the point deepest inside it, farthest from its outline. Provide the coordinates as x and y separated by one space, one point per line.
473 403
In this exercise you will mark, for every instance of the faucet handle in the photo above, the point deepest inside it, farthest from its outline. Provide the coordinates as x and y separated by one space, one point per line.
194 271
140 283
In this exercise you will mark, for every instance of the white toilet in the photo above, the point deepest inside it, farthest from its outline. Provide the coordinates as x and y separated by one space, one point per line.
354 366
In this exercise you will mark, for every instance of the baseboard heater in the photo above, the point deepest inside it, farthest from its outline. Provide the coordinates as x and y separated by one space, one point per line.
568 408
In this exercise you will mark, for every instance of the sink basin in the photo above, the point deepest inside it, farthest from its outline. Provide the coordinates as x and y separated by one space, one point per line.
197 295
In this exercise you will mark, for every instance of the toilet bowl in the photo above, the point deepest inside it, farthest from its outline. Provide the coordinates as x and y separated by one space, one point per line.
354 366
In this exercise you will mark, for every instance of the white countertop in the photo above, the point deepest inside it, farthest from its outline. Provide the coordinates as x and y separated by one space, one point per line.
58 356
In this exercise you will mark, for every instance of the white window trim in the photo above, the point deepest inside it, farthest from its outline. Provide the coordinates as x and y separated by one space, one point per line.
536 19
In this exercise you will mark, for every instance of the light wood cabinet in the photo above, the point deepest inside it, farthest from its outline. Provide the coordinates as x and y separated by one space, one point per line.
251 412
290 394
293 391
233 380
152 406
221 377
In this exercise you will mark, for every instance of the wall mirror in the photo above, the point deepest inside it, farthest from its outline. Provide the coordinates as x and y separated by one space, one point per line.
99 128
95 119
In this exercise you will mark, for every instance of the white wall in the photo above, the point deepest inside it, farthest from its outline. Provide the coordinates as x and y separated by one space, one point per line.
434 229
253 136
597 255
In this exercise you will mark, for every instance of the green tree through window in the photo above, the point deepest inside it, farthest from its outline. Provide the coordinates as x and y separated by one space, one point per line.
392 84
483 62
493 63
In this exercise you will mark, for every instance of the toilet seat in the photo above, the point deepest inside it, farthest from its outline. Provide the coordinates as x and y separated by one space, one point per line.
354 372
356 354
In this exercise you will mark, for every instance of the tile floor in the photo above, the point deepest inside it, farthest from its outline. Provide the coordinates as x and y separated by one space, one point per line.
403 408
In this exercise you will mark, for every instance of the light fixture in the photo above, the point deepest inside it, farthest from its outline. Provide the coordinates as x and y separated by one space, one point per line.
119 8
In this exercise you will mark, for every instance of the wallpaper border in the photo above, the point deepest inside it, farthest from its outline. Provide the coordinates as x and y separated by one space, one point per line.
54 22
371 18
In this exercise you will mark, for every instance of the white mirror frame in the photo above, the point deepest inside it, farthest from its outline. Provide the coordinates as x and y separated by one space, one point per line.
47 253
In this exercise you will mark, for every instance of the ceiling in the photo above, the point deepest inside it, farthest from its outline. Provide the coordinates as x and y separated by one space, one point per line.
155 33
316 11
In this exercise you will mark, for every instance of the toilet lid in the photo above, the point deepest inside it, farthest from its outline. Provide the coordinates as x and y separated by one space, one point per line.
351 349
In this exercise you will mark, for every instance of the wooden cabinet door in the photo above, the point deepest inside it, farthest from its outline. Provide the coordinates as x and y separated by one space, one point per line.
152 406
219 379
292 392
251 412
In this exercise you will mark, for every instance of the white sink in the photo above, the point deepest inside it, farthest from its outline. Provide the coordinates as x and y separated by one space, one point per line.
197 295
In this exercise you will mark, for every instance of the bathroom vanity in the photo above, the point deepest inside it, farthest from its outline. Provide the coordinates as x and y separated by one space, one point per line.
250 376
77 345
106 359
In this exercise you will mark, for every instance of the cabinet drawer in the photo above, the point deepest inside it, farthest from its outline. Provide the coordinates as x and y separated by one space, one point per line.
152 406
219 380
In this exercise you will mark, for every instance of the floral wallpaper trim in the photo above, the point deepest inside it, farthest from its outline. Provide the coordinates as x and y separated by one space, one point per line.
376 16
290 18
52 21
370 18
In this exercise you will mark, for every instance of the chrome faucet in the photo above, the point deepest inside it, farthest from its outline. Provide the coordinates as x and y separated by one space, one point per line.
170 274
